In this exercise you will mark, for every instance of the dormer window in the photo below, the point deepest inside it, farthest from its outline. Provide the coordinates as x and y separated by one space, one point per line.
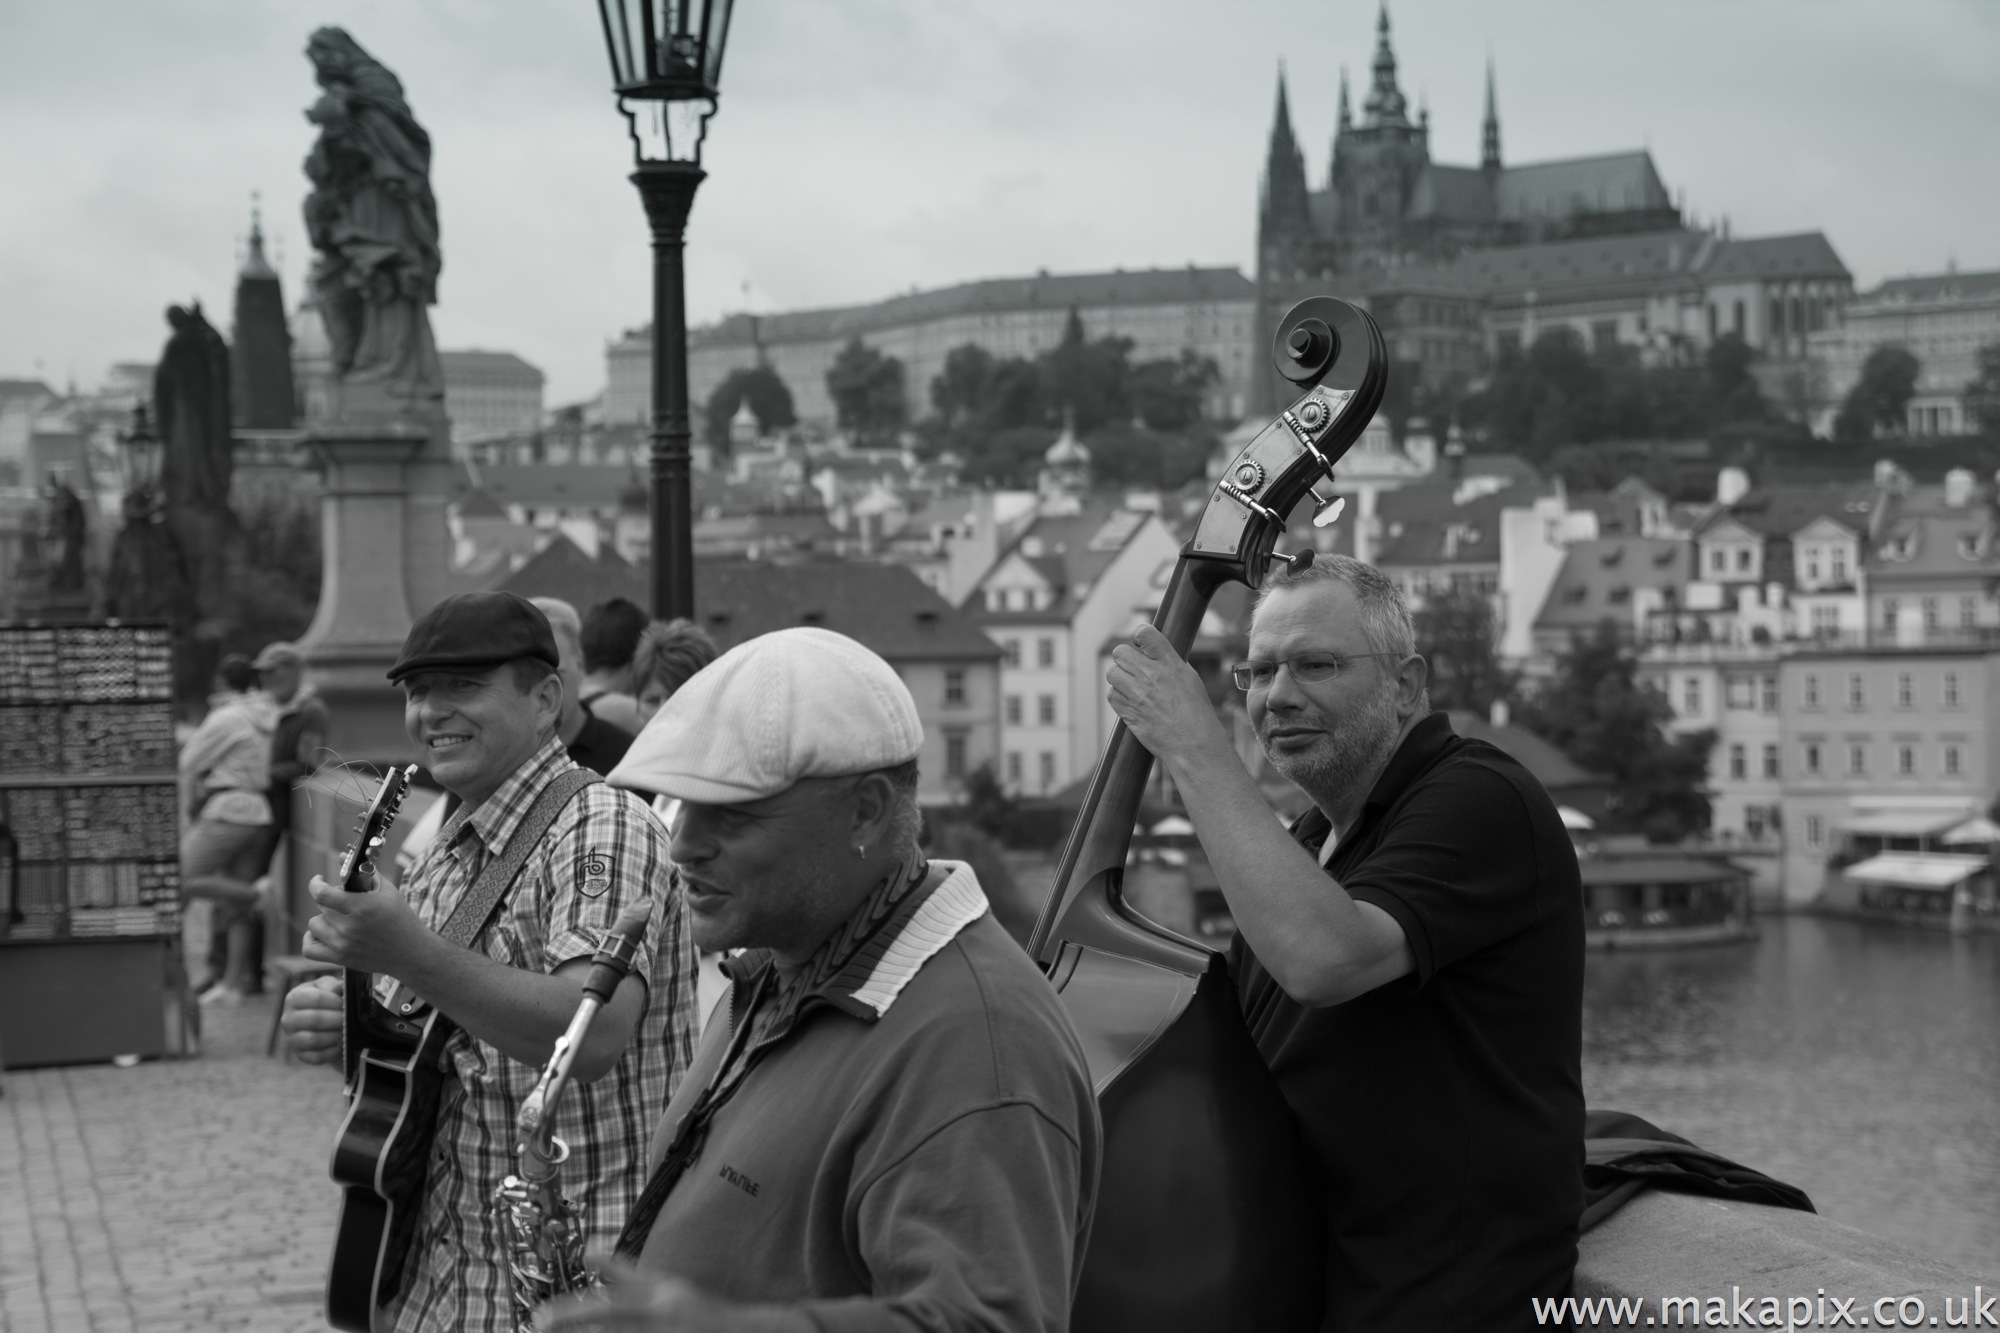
1896 548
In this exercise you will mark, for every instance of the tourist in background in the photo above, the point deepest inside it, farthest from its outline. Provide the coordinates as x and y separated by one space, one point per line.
589 739
225 771
611 633
669 652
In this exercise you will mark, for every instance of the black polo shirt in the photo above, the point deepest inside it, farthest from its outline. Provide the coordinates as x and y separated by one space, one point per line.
600 744
1445 1108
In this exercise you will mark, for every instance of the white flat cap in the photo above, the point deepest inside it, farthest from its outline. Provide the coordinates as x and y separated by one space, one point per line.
791 704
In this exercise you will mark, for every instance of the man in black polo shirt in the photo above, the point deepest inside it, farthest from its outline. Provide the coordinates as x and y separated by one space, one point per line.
1410 955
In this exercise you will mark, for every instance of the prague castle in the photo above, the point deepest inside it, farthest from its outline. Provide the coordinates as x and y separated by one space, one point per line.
1460 263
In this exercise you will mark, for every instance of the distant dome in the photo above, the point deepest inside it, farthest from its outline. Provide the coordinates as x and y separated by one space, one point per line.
1067 451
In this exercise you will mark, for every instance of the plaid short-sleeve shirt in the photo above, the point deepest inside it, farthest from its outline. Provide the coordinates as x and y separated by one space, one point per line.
604 851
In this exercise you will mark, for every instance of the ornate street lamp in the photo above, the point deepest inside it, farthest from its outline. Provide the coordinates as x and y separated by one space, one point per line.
666 64
144 455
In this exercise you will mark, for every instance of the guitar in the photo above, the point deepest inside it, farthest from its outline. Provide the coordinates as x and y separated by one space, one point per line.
391 1063
1209 1215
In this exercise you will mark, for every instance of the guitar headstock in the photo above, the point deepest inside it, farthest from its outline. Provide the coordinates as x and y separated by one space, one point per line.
1336 353
373 827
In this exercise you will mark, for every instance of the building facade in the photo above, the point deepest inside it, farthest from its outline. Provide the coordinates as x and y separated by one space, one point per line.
1943 319
490 394
1164 312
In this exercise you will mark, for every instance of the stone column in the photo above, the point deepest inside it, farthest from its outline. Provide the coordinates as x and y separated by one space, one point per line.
364 606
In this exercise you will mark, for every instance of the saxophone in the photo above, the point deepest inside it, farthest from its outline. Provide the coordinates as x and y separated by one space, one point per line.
544 1232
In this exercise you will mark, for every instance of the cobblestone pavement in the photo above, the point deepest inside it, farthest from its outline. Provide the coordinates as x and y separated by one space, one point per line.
175 1196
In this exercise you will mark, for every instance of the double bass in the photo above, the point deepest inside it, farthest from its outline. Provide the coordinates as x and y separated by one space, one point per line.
1209 1214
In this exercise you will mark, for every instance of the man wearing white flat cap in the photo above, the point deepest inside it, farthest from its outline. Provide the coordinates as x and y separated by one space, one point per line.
888 1124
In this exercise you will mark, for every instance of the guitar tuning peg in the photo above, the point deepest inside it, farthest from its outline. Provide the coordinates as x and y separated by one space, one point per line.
1327 508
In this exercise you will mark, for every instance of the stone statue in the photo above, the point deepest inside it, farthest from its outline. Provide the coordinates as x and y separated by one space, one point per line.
191 403
374 224
62 537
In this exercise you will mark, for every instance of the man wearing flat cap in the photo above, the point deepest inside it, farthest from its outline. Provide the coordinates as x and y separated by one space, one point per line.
481 702
888 1124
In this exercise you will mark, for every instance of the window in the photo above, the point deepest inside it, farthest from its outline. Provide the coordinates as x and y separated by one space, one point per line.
1603 335
1770 761
1812 689
1045 652
1906 761
1857 761
1968 612
1013 768
1951 689
1857 691
1812 759
954 754
1010 649
1045 710
1770 694
1837 562
1691 696
1815 831
1951 761
1048 769
1718 560
1738 766
1825 618
1812 564
1889 613
1742 559
1742 692
954 688
1903 689
1013 710
1930 613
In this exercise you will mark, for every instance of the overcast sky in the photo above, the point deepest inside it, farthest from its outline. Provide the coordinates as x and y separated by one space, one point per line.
865 147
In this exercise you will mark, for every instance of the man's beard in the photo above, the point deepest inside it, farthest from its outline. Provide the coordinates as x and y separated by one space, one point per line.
1352 751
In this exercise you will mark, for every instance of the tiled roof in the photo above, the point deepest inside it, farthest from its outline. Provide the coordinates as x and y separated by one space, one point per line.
26 389
477 503
1783 509
559 484
1804 254
885 607
1610 183
1071 551
1426 528
476 362
1642 258
1551 767
1058 291
1933 287
1598 578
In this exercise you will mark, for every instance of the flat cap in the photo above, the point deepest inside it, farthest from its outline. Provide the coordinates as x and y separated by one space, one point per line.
476 630
280 653
791 704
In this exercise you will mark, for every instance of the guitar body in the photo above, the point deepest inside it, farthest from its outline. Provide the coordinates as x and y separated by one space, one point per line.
1210 1212
381 1157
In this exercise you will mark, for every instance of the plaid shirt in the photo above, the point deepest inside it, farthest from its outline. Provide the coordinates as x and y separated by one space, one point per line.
604 851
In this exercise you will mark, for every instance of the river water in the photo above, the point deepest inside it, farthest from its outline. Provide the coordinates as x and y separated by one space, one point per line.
1858 1062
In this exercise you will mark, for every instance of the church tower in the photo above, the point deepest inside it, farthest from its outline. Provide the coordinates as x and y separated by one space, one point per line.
1377 163
1284 226
260 349
1489 130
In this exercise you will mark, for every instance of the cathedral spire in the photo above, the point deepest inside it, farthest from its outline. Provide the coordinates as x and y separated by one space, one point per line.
1385 104
1346 116
1284 225
254 263
1489 135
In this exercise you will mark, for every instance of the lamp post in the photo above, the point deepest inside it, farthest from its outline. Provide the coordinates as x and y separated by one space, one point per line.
666 64
144 454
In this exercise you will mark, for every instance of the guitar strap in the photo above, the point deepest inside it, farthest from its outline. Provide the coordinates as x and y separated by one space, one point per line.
476 908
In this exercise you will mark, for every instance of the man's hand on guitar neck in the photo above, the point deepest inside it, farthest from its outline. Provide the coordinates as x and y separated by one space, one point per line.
369 932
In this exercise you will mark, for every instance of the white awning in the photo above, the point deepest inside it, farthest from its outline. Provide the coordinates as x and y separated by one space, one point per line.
1901 823
1574 819
1173 826
1917 870
1975 830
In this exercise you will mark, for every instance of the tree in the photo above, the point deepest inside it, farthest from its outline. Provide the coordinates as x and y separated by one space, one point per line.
1089 379
760 386
1168 395
1149 460
1598 712
959 390
1457 637
1982 392
1880 398
867 390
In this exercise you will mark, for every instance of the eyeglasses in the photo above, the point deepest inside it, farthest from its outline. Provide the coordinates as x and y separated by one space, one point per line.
1306 669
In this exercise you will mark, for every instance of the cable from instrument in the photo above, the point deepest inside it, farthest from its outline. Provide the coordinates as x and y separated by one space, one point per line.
544 1232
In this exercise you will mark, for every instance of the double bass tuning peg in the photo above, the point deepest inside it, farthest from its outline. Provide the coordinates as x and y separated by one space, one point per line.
1297 561
1327 508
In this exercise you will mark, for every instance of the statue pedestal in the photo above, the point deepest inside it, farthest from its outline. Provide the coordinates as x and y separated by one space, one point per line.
364 604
